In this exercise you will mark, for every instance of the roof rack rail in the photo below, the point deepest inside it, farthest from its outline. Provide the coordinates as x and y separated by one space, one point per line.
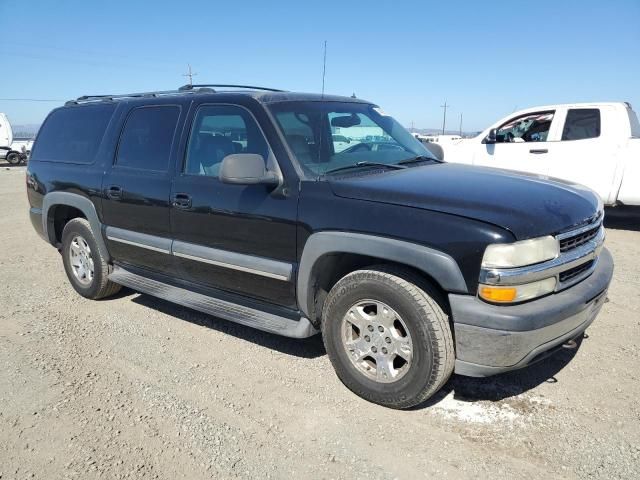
98 98
247 87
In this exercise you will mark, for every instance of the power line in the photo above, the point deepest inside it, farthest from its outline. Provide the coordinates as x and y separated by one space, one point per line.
30 100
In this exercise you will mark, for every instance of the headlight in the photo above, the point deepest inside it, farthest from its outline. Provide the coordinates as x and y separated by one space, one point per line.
516 293
519 254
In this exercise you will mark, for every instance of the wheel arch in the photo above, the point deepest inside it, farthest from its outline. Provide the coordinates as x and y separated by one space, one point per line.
72 203
327 256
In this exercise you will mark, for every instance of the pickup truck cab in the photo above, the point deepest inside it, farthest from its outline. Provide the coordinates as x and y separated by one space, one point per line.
237 203
593 144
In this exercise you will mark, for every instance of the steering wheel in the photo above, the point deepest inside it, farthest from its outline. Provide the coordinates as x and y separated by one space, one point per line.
360 146
508 138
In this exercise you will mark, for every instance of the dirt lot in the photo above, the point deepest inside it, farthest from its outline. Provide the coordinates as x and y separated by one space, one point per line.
137 387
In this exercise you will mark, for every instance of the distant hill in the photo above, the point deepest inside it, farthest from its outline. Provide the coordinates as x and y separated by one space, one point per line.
438 131
25 131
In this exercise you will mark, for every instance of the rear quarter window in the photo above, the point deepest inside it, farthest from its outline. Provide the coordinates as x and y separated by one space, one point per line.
581 123
72 134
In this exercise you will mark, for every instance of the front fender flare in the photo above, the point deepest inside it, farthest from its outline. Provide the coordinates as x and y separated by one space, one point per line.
438 265
83 204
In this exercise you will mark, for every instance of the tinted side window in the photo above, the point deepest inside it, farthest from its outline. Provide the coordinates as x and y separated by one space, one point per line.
219 131
73 134
298 129
147 137
581 123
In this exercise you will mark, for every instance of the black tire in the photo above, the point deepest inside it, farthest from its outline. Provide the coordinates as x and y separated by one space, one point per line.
13 158
428 325
100 286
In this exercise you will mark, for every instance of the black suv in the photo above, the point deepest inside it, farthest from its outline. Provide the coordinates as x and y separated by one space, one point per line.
248 204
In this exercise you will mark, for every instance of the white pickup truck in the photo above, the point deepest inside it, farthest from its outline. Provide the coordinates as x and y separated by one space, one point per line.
593 144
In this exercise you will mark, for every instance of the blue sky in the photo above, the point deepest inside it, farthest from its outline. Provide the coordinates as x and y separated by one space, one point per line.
484 58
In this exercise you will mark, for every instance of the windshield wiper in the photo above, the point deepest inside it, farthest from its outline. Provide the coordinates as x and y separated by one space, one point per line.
419 159
393 166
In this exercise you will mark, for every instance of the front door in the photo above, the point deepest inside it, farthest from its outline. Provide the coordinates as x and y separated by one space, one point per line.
522 144
137 188
238 238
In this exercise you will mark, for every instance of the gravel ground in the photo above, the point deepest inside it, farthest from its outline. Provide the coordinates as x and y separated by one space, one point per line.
136 387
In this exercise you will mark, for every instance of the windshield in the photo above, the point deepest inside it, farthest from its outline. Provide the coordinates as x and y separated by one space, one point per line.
328 136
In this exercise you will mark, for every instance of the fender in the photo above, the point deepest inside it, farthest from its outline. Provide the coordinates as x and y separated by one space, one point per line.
440 266
81 203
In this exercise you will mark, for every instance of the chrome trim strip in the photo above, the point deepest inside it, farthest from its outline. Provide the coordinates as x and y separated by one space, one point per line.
580 230
141 240
265 267
233 267
552 268
141 245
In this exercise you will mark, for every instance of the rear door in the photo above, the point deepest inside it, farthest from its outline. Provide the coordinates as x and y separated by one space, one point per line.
523 143
137 187
237 238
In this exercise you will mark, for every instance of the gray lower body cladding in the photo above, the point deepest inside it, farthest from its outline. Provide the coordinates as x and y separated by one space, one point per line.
492 339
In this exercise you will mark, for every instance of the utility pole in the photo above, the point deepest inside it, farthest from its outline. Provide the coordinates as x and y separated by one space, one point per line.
444 115
324 65
190 74
412 127
460 123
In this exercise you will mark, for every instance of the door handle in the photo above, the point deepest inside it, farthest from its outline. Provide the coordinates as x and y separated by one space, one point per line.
539 150
114 192
181 200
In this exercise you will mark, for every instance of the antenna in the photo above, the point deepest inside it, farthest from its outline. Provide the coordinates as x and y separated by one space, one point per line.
189 74
460 123
324 65
444 115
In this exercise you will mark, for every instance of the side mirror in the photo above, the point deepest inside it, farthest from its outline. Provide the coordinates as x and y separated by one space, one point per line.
246 169
492 136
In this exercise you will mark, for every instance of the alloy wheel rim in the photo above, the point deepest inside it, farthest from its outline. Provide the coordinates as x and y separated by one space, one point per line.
377 341
80 260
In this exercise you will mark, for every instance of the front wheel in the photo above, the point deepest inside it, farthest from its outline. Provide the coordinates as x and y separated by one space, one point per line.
387 337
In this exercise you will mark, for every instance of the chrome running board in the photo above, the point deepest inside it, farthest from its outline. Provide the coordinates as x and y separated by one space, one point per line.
249 317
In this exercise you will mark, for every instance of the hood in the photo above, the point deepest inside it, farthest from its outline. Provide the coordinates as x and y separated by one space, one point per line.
527 205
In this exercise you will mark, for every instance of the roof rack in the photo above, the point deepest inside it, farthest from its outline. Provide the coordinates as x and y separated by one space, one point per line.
98 98
246 87
200 88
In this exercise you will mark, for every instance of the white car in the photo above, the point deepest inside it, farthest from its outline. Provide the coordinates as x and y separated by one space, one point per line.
594 144
340 143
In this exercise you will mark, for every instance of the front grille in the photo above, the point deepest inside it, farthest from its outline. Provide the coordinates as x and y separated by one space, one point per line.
574 241
575 271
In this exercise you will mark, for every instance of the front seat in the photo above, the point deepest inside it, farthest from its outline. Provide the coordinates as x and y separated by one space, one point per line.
212 150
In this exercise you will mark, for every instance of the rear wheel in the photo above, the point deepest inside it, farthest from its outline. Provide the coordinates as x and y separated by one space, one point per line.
387 337
86 268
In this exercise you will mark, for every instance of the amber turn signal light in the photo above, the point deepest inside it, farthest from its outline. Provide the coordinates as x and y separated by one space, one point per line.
498 294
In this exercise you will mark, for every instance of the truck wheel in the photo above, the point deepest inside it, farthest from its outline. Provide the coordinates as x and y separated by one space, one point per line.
13 158
387 337
86 268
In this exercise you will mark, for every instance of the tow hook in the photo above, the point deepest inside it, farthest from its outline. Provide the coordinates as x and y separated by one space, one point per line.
570 345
